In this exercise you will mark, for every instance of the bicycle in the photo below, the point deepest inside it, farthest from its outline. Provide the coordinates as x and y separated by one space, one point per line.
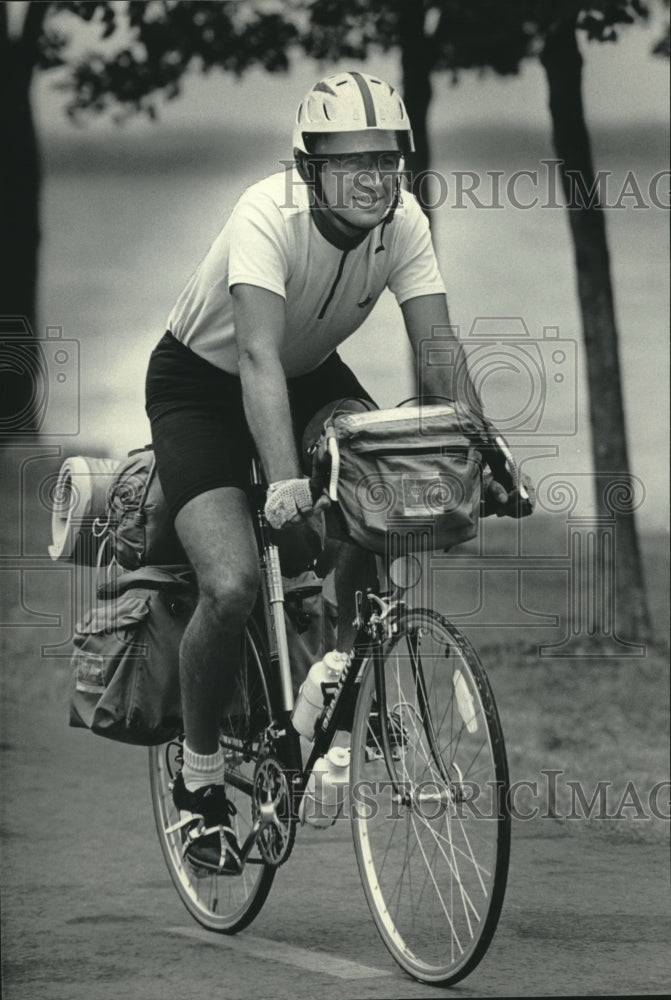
426 740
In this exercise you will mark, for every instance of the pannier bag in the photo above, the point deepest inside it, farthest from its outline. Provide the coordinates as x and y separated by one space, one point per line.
408 475
125 664
139 525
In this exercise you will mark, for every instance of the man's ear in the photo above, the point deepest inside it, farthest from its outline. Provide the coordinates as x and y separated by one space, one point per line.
301 165
309 167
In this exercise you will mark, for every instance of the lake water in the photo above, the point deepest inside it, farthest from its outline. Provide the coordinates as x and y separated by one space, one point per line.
127 217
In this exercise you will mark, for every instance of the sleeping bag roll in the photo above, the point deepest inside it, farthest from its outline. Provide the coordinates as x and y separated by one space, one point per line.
78 499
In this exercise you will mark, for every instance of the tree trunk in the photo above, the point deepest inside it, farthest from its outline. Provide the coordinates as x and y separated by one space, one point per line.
416 67
19 223
563 66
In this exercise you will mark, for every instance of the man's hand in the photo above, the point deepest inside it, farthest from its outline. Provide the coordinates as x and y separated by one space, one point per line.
290 502
298 527
497 500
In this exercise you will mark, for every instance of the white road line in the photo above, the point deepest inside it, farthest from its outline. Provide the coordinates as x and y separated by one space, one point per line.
302 958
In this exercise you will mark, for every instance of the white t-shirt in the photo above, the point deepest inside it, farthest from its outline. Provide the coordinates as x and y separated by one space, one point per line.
271 241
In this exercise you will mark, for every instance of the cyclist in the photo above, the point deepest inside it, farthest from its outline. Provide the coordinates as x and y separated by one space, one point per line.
250 356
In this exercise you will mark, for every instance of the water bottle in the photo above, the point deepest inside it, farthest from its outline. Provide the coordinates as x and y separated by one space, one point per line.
310 699
326 789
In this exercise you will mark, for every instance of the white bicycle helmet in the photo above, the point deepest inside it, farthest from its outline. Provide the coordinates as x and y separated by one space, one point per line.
351 102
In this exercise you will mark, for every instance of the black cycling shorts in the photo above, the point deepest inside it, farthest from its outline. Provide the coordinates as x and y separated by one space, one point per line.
199 431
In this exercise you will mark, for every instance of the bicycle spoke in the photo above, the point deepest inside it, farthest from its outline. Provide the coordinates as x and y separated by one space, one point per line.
435 884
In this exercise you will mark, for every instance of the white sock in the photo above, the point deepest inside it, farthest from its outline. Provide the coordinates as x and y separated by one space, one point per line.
202 769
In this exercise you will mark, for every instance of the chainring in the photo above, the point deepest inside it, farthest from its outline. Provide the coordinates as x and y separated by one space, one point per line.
271 796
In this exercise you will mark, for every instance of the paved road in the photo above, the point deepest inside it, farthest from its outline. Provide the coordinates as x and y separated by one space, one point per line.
90 914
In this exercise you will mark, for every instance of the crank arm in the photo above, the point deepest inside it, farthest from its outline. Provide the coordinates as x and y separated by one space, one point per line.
267 817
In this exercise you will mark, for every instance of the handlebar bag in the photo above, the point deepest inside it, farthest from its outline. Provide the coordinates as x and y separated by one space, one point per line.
411 474
125 663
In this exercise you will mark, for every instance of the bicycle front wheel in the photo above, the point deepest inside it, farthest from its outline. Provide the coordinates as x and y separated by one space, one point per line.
430 816
225 903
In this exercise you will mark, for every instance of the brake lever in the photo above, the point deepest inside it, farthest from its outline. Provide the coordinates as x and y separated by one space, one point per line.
334 452
320 484
505 471
511 468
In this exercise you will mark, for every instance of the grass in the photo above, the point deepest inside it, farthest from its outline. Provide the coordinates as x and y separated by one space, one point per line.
597 721
594 720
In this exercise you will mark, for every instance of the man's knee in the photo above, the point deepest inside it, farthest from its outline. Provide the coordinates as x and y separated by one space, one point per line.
229 598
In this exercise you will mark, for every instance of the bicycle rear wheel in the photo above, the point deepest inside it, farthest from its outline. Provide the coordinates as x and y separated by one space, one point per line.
430 822
225 903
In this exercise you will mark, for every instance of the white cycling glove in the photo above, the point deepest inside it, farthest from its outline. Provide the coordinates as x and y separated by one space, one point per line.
286 499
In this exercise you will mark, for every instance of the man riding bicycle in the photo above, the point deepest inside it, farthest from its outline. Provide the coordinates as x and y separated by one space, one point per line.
250 356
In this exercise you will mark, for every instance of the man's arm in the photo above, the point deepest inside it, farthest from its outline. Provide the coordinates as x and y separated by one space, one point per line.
259 317
438 374
451 379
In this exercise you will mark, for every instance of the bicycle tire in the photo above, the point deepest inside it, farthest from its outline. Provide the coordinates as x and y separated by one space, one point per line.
223 903
433 861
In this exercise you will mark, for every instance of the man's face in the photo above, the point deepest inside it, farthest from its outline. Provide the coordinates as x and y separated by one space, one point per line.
358 183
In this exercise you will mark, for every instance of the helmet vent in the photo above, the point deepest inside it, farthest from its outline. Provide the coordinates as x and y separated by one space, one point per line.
324 88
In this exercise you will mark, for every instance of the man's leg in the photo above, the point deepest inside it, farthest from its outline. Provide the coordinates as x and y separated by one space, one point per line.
216 531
